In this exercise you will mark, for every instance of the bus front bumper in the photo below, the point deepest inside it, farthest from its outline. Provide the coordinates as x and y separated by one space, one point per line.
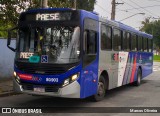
70 91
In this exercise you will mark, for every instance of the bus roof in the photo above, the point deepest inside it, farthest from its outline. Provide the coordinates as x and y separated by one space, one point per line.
47 9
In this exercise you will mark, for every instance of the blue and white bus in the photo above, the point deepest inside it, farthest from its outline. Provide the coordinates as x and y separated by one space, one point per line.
76 54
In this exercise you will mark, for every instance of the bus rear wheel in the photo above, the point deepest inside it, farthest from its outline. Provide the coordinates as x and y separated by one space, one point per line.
139 77
101 90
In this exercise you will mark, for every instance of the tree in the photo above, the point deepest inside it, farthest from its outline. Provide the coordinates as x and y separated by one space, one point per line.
153 28
86 4
10 9
145 23
9 12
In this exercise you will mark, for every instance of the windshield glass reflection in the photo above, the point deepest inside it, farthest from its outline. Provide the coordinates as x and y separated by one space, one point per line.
60 44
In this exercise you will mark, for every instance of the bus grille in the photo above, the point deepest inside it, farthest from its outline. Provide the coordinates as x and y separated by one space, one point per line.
47 69
48 88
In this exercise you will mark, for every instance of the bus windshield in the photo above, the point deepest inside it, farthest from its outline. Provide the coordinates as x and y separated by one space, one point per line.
61 44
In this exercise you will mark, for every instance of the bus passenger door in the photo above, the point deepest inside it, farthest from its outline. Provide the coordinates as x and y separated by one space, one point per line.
90 59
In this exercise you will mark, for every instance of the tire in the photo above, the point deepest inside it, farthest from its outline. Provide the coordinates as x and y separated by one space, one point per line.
101 90
139 77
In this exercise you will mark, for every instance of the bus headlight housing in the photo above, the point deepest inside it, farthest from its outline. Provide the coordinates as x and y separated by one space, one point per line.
16 77
70 79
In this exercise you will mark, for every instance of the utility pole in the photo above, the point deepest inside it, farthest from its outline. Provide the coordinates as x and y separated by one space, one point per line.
75 4
44 3
113 10
113 13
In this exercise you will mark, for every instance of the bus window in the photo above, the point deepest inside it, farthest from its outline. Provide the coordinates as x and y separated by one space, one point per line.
90 42
150 45
90 46
85 41
142 44
106 38
116 40
126 41
145 44
139 43
134 43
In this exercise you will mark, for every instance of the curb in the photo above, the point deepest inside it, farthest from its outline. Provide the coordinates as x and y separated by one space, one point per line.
5 94
6 87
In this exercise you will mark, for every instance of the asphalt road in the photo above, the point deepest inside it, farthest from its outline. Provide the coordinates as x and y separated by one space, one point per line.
145 95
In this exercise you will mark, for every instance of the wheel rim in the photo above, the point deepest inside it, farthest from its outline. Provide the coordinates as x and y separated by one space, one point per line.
101 90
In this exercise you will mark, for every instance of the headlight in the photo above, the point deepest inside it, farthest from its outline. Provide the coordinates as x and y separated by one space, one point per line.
15 74
74 77
71 79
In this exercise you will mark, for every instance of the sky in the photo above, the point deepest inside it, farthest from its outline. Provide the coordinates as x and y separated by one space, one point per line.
151 8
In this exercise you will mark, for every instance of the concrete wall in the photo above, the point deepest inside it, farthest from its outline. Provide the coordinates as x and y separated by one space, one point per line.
6 59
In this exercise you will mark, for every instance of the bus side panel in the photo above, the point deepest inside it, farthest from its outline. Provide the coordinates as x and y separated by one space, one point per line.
109 65
133 67
146 59
128 70
89 74
128 65
135 61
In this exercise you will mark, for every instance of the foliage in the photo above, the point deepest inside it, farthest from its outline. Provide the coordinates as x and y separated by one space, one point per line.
10 9
153 28
156 58
3 29
3 32
86 4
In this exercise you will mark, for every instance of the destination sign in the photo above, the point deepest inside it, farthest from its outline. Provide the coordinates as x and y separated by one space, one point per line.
47 17
50 16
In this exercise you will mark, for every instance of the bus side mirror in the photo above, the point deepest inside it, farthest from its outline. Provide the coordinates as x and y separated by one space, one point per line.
9 39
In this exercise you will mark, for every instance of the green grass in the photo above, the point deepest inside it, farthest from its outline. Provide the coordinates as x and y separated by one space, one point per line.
156 58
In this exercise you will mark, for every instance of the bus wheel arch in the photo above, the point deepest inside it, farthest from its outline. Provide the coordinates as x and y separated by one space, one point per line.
106 77
140 68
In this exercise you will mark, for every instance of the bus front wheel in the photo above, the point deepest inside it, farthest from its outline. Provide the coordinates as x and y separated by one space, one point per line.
101 90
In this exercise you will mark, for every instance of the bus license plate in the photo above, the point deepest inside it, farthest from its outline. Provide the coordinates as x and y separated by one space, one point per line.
39 89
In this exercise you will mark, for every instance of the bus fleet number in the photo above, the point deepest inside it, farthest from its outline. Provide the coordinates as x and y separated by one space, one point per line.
51 79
